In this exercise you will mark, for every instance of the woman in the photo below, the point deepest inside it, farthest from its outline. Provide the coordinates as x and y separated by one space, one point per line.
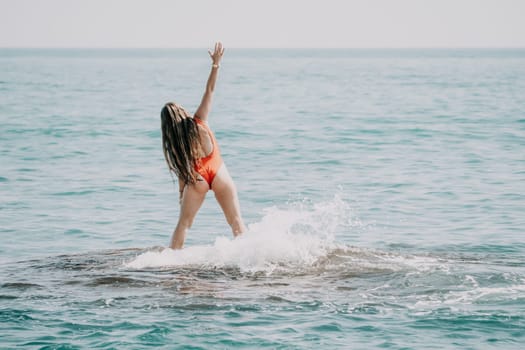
192 153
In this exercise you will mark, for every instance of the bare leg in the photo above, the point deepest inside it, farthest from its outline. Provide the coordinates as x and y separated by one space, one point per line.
192 199
226 195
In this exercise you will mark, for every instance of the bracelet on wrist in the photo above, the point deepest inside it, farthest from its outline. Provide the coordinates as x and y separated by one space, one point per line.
215 65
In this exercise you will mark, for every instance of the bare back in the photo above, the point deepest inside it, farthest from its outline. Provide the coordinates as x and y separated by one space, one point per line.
206 142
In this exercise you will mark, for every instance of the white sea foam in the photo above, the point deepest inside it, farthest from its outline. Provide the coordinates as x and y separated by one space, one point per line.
455 299
485 293
294 236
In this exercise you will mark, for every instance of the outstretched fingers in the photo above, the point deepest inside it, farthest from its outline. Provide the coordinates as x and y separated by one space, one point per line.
217 53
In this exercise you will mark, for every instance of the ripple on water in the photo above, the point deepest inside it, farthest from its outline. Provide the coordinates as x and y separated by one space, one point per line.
416 289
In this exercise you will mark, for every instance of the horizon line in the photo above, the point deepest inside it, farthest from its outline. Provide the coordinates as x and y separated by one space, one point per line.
266 47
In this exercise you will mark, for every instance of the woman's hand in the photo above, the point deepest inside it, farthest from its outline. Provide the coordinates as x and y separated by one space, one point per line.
216 56
205 106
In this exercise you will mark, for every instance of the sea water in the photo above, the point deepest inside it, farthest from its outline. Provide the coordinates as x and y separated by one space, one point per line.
384 191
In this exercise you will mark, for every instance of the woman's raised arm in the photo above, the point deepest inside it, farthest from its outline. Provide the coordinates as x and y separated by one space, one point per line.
205 106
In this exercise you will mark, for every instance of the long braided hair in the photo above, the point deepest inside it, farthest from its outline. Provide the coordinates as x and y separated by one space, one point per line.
180 141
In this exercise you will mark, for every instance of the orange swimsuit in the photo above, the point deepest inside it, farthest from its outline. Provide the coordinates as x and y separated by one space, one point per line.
208 166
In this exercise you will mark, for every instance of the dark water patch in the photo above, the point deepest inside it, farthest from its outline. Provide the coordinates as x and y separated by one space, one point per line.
21 286
270 284
276 298
190 304
73 193
486 323
8 297
325 162
190 347
68 263
117 281
115 188
3 179
15 316
58 156
345 288
200 272
90 261
401 246
328 327
73 282
367 329
474 249
90 326
156 336
152 134
97 303
97 133
233 314
26 170
24 179
258 322
365 309
146 148
228 343
445 194
93 335
419 132
513 196
55 132
73 231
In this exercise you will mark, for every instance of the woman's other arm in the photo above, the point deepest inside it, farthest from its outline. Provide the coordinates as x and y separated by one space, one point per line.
205 106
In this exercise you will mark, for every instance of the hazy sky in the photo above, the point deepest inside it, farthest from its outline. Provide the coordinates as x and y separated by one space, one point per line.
268 23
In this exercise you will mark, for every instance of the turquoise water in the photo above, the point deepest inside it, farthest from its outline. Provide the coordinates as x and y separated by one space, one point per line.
384 192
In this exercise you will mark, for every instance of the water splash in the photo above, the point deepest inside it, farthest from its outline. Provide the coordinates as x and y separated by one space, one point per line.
293 237
299 238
